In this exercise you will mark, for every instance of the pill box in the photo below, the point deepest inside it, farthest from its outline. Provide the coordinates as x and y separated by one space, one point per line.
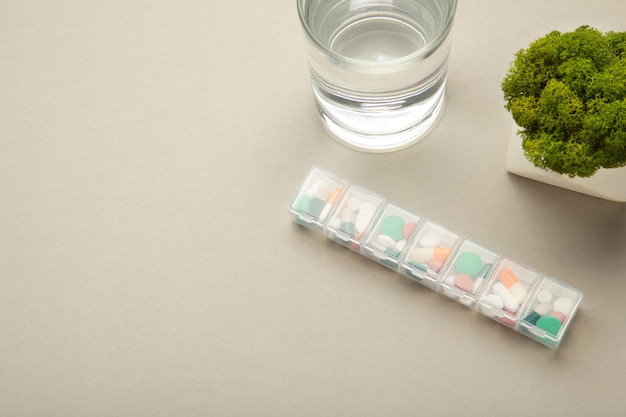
488 283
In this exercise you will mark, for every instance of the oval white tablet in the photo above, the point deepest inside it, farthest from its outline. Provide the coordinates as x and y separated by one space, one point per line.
493 301
429 241
386 241
510 303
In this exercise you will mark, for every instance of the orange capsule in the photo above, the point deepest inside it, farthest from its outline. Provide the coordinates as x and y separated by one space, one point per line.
332 198
512 284
441 254
425 255
330 201
507 277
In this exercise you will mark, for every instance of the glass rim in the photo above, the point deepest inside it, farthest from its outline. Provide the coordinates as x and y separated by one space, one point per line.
425 51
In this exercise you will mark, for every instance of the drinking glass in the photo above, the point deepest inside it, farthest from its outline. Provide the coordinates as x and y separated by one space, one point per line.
378 67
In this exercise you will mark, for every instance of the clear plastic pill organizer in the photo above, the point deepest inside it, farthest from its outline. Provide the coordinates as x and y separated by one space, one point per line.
466 271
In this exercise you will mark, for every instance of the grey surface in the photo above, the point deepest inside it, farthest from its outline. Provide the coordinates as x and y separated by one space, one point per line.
148 265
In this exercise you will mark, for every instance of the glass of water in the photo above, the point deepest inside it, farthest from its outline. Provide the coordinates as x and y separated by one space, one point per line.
378 67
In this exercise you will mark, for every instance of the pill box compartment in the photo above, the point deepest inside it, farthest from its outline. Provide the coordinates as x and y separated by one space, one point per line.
428 254
467 272
508 292
389 238
550 312
317 197
356 212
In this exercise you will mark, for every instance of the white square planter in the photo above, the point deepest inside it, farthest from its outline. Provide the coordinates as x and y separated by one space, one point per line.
609 184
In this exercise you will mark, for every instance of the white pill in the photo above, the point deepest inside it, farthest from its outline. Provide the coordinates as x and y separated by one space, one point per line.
386 241
518 292
347 215
509 302
366 212
564 305
429 241
422 255
449 281
478 282
466 301
493 301
319 188
544 296
543 309
401 245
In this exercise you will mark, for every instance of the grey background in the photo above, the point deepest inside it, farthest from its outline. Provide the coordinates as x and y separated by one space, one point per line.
149 267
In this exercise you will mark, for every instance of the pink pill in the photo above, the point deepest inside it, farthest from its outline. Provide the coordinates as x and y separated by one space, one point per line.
559 316
408 229
435 265
464 282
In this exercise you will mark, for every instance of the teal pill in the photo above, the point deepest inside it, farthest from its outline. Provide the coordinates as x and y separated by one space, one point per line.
419 266
349 228
418 272
469 263
316 206
533 317
484 271
393 253
392 226
550 324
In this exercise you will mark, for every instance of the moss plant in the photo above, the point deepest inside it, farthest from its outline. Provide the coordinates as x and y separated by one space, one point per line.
567 92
